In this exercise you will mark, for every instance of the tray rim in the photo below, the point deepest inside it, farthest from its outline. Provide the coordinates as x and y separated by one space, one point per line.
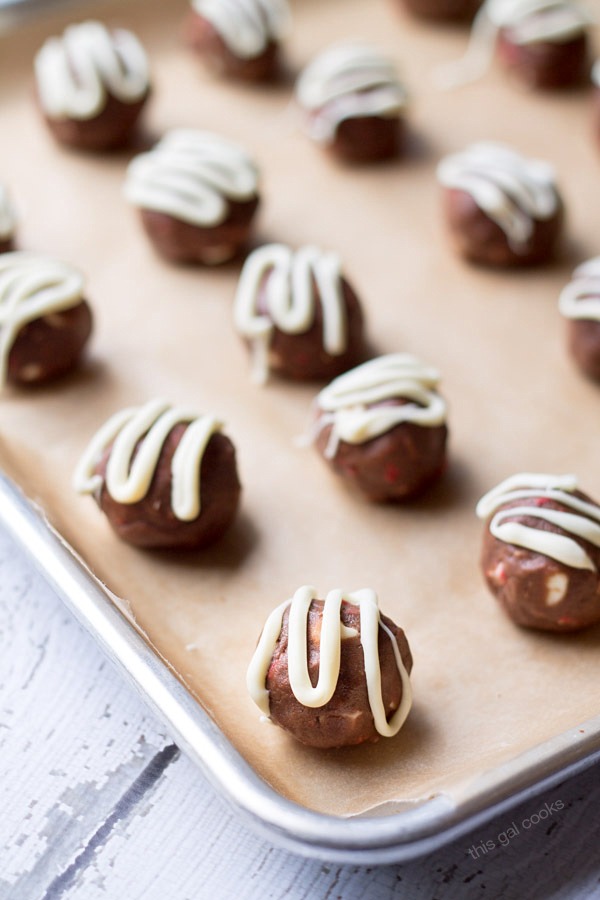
379 840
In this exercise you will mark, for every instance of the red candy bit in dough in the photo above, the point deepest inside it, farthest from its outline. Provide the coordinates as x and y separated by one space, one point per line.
567 620
391 473
498 574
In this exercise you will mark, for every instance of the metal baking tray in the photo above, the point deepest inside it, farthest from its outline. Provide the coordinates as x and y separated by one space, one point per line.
365 840
389 836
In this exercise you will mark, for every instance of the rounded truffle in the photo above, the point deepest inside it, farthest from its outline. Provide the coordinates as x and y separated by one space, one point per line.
197 194
44 320
333 672
543 42
165 477
92 84
353 103
382 427
239 38
443 10
501 208
580 304
541 551
298 314
7 221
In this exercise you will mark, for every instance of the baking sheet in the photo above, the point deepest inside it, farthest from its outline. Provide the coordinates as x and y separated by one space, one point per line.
485 691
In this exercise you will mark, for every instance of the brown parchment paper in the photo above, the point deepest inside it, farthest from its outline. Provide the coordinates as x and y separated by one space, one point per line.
484 690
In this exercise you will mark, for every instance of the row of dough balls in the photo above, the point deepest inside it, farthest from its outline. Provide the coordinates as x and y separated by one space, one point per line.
92 83
546 43
197 194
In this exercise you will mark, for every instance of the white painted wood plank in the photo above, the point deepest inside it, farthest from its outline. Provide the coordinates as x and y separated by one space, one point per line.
96 806
73 737
184 844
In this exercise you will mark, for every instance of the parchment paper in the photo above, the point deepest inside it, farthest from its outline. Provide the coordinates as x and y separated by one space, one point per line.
484 690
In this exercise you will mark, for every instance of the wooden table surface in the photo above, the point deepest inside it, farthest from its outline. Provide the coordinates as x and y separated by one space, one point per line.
98 803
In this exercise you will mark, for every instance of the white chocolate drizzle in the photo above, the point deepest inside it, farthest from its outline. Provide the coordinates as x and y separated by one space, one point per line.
191 175
595 74
524 21
347 81
347 402
292 282
129 473
513 191
7 215
529 21
32 287
580 299
246 26
329 655
583 522
76 72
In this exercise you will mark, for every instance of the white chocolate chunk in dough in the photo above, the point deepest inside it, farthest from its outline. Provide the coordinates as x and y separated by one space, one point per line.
556 588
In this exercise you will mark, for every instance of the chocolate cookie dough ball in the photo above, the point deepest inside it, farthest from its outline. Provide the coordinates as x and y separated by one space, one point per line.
197 194
543 42
332 673
382 427
501 208
239 38
44 320
444 10
92 85
298 314
353 103
165 477
580 304
541 551
7 221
